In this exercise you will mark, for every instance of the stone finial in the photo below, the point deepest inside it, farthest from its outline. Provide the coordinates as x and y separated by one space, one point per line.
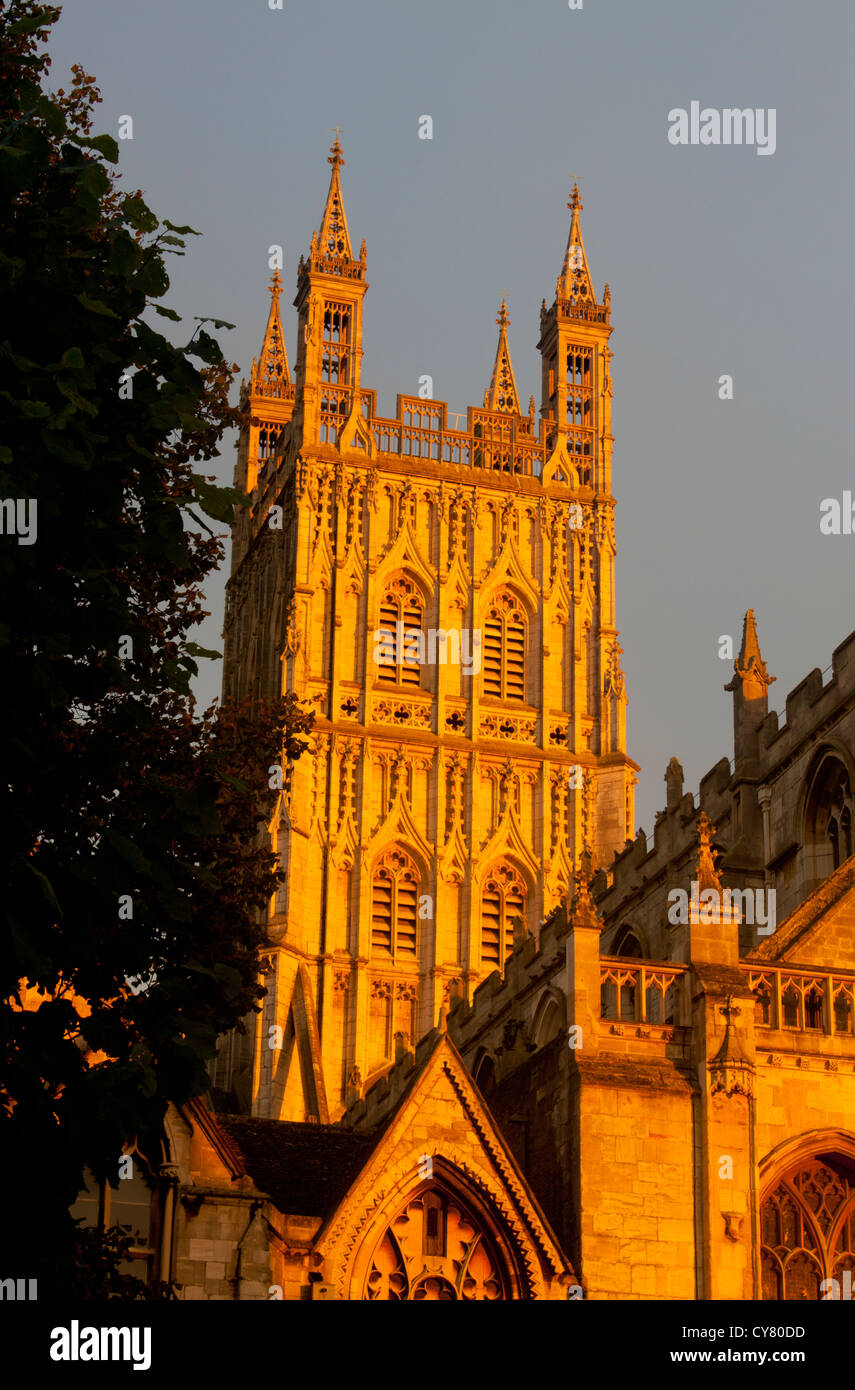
673 784
749 668
708 875
749 686
583 912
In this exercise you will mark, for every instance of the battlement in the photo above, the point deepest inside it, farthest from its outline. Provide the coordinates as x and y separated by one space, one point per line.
809 706
364 1112
529 967
811 701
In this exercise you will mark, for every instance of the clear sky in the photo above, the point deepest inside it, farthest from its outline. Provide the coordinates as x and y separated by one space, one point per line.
720 261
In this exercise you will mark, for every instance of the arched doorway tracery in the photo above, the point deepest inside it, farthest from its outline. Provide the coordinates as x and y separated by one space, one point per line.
807 1224
438 1248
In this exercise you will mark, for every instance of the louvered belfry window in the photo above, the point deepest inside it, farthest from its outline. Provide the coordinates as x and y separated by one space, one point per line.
394 905
502 900
504 649
401 603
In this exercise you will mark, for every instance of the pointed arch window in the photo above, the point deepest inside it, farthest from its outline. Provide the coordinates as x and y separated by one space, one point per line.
503 898
807 1225
402 640
504 648
485 1074
626 943
394 906
548 1022
829 809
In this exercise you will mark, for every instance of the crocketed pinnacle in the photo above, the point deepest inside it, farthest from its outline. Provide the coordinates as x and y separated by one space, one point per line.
270 374
575 281
749 666
334 238
502 392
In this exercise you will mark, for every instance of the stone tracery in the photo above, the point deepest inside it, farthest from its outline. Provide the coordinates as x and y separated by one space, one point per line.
808 1231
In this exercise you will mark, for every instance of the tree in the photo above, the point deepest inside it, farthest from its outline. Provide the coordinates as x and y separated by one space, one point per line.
136 877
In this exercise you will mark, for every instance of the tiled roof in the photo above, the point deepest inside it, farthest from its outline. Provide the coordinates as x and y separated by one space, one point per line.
306 1169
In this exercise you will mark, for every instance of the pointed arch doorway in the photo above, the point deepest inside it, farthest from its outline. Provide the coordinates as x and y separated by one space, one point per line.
807 1224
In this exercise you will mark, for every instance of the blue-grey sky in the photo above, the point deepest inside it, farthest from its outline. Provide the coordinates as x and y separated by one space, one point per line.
720 260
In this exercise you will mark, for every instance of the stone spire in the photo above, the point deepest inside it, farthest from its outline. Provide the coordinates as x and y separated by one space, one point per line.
502 392
749 686
270 374
575 281
333 243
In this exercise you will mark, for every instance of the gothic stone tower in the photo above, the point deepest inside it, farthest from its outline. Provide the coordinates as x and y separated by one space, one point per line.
443 598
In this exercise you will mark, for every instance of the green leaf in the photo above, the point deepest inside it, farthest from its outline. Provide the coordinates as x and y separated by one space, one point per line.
106 145
31 410
218 323
46 888
236 782
207 348
193 649
72 358
94 180
51 115
76 399
62 448
127 850
215 501
182 231
137 448
96 306
167 313
139 215
42 19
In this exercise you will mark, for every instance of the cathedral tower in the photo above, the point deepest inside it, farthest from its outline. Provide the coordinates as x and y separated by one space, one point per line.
443 598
